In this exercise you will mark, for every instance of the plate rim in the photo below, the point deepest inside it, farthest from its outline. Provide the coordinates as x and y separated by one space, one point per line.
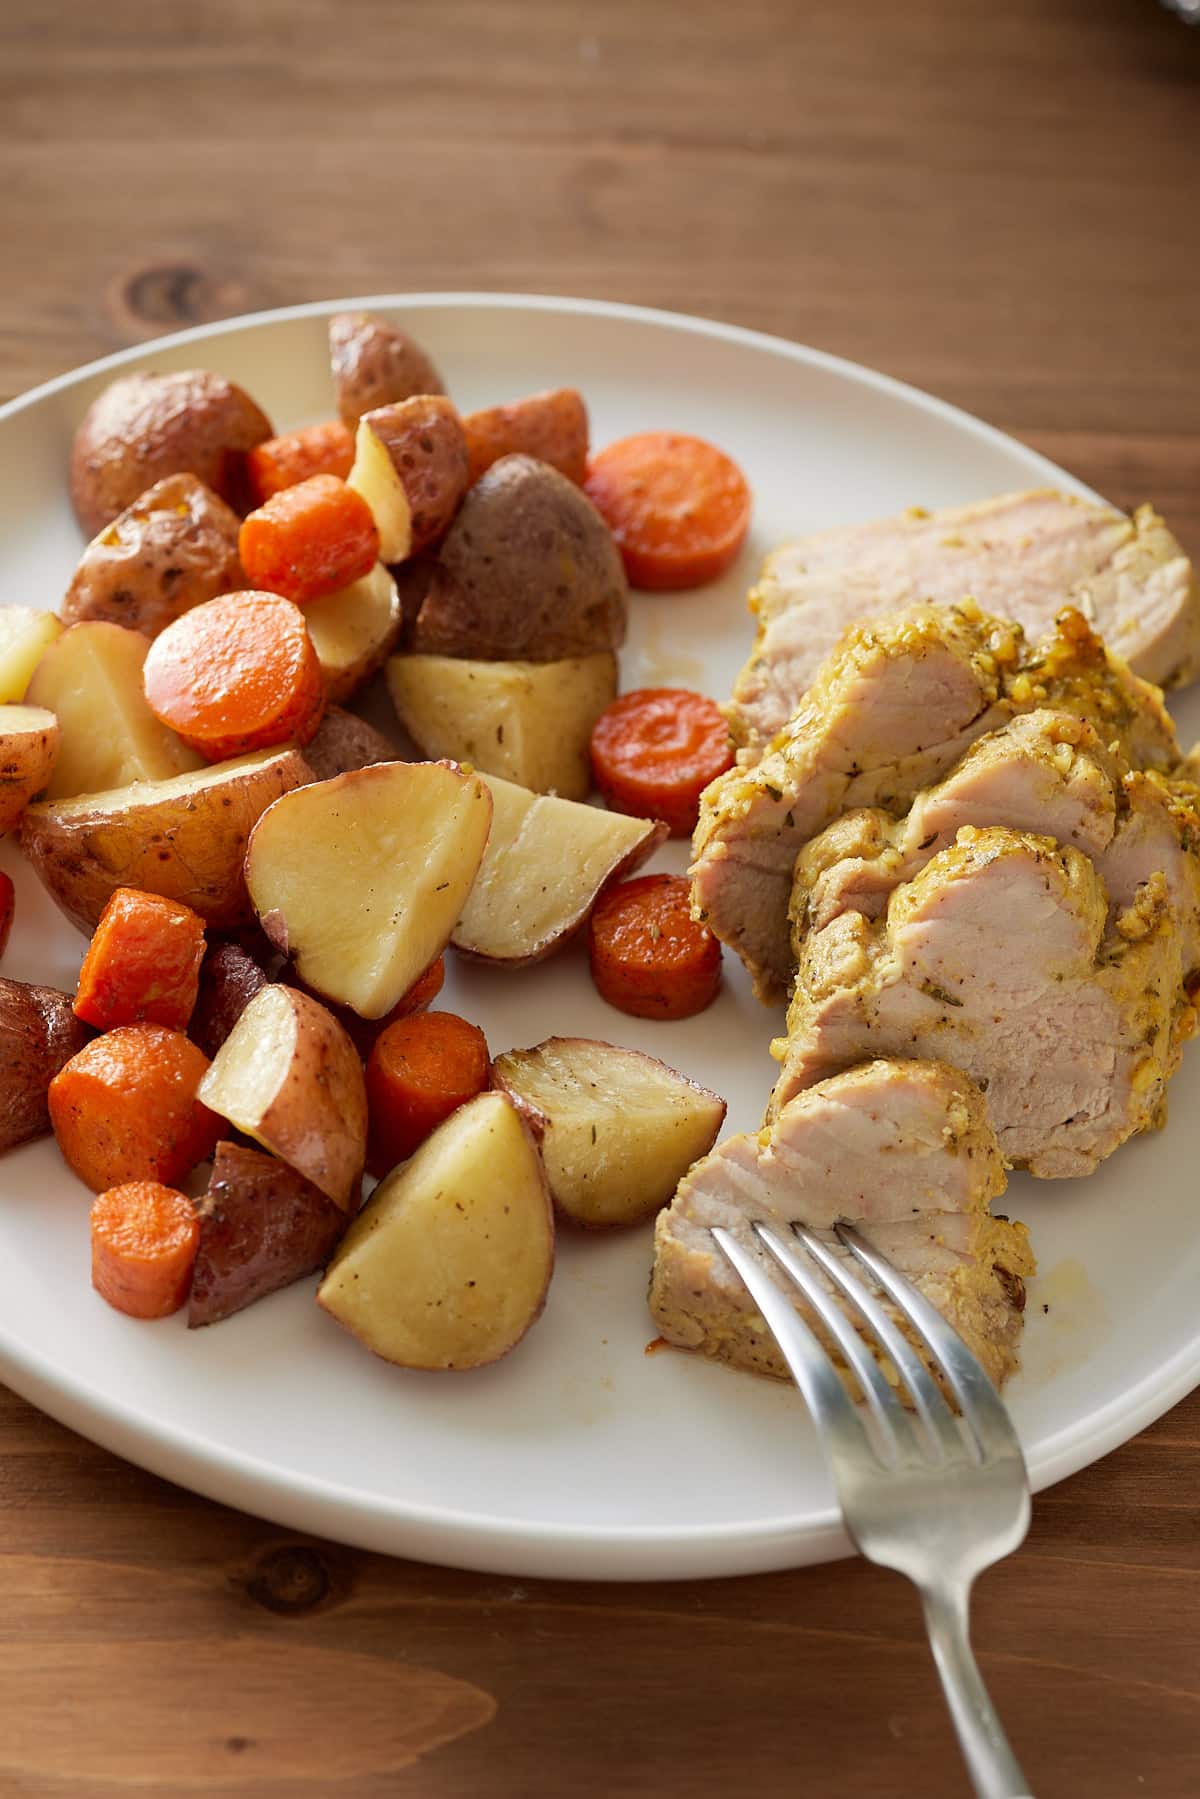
474 1540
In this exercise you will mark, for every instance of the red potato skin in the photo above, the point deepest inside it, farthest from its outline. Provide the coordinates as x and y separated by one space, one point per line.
229 979
172 549
39 1033
374 364
428 448
262 1226
144 427
7 904
362 1032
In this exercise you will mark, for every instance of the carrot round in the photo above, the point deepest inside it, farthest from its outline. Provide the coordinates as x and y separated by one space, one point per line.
143 963
552 426
309 540
655 750
144 1242
419 1071
7 900
235 674
124 1108
649 956
678 507
325 449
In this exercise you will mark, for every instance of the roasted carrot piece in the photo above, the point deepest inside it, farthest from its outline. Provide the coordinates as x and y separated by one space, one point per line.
124 1108
7 900
648 955
144 1242
325 449
552 426
420 1070
678 507
655 750
309 540
238 673
143 963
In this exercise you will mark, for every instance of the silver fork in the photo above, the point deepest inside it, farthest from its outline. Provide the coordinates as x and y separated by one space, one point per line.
939 1506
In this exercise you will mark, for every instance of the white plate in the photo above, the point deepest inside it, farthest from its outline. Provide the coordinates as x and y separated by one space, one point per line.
579 1455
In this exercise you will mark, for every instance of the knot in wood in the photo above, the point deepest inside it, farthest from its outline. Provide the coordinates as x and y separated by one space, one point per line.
291 1579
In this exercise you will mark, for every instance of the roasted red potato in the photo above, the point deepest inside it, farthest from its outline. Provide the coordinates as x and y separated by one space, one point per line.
39 1033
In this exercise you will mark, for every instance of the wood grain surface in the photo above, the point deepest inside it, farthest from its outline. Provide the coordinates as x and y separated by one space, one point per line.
996 199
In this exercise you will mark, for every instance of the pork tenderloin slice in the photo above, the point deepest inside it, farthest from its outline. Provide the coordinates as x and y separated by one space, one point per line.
894 709
1021 556
1000 957
1044 771
904 1150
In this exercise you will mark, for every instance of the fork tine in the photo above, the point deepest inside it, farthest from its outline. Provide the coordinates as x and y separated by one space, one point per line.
937 1416
982 1407
866 1369
814 1373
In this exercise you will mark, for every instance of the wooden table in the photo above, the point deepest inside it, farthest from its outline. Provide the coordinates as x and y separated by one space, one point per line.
995 199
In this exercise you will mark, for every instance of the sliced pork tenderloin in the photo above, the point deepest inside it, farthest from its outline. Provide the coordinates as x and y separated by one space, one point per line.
903 1150
1021 556
1001 957
891 712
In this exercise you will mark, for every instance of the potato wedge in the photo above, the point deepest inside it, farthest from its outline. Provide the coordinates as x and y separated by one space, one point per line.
376 478
618 1129
448 1264
546 862
344 742
262 1226
39 1033
29 739
361 878
375 363
424 438
145 426
91 679
354 631
288 1076
173 548
25 636
527 722
528 570
185 838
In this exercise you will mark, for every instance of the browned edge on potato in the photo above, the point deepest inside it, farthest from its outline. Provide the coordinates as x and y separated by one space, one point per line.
375 363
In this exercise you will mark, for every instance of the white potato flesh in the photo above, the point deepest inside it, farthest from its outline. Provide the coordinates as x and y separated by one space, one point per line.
528 722
546 861
91 679
448 1263
353 629
619 1129
289 1076
25 636
360 878
375 476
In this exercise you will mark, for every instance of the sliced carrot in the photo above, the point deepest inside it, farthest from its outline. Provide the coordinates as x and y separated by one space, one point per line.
655 750
144 1242
235 674
7 901
649 956
326 449
124 1108
420 1070
552 426
309 540
678 507
143 963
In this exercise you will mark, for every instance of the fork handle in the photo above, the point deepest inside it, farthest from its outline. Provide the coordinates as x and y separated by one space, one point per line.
990 1761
